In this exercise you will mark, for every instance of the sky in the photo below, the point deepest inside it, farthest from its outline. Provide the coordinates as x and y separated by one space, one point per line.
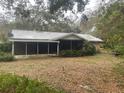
92 4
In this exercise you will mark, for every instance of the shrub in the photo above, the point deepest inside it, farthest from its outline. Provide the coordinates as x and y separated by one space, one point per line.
15 84
70 53
5 47
6 57
119 50
88 49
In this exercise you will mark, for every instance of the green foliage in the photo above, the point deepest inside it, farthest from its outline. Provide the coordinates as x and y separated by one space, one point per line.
119 50
6 57
65 5
5 47
70 53
111 25
87 50
15 84
5 52
38 17
119 68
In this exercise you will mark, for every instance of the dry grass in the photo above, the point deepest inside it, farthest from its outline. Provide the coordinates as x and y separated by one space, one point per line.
75 75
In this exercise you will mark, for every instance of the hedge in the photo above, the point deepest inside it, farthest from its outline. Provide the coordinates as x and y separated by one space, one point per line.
16 84
119 50
70 53
6 57
5 47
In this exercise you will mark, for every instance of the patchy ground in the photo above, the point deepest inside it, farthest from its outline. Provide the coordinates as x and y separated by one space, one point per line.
75 75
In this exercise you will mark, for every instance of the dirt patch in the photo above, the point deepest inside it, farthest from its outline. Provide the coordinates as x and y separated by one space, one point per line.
75 75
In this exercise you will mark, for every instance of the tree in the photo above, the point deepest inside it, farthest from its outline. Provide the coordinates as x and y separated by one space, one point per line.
55 5
41 16
111 25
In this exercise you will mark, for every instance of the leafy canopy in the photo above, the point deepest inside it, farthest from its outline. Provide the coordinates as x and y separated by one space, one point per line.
56 5
42 15
111 25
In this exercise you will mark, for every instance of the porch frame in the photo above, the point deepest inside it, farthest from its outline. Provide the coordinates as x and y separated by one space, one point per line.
26 47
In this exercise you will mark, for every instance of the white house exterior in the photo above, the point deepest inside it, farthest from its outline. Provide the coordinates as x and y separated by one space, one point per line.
38 42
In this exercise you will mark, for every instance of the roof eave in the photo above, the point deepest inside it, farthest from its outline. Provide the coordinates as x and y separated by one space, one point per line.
97 41
31 40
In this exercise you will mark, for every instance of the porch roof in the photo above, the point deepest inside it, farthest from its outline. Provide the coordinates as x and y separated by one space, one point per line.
25 35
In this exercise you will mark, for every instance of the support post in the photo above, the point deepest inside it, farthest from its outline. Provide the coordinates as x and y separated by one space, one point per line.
13 48
26 52
48 48
37 48
58 49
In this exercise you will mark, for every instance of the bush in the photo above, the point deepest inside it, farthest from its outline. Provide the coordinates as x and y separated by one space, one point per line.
5 47
15 84
6 57
87 50
70 53
119 50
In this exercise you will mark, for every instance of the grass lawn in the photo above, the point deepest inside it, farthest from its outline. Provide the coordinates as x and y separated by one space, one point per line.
91 74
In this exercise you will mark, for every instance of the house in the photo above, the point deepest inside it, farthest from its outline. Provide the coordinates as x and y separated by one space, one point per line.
38 42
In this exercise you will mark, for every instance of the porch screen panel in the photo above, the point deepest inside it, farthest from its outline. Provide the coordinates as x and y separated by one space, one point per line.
65 45
77 44
43 48
19 48
71 44
53 48
31 48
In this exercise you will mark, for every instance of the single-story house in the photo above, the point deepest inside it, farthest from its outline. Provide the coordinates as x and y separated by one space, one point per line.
38 42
